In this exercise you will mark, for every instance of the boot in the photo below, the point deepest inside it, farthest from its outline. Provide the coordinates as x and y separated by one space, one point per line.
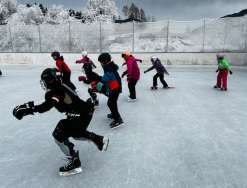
73 166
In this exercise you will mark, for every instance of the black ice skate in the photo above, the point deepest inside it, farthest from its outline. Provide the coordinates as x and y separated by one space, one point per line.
102 143
153 87
116 123
96 102
216 87
72 167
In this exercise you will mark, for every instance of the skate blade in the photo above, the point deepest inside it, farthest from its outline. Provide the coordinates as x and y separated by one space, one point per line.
71 172
106 143
117 126
132 100
169 87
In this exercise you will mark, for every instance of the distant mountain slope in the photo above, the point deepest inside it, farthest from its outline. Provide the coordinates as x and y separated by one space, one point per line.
238 14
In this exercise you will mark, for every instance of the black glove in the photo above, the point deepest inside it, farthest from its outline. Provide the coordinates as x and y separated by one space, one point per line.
23 110
145 72
231 72
217 70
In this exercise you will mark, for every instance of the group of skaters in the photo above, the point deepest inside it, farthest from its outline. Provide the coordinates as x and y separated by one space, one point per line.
62 94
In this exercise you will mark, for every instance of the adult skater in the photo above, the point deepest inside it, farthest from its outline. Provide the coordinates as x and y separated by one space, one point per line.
132 72
63 68
79 114
160 69
112 80
223 69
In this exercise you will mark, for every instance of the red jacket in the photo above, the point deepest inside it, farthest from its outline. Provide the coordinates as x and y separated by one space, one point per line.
62 66
133 71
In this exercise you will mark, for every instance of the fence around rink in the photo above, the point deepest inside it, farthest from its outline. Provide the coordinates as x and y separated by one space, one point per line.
205 35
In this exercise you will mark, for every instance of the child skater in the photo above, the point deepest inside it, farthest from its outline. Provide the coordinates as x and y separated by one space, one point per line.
90 78
85 59
63 68
112 80
132 72
160 69
79 114
223 69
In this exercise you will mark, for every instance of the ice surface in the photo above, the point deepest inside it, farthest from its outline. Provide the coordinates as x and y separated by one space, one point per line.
191 136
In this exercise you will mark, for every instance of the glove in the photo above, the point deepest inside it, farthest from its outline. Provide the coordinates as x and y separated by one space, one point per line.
145 72
217 70
22 110
230 72
82 78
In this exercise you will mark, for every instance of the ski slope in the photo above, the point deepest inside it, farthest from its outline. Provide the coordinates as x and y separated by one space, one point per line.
191 136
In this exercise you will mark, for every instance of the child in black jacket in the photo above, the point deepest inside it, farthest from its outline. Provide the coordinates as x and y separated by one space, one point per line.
160 69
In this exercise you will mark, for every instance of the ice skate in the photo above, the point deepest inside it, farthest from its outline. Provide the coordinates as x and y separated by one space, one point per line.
223 89
168 87
154 88
216 87
102 143
131 100
72 167
116 123
96 102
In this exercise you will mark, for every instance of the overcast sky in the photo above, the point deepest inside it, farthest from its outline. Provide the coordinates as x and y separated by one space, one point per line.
166 9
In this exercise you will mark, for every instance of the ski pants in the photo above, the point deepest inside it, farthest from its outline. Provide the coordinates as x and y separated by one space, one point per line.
161 77
66 80
112 104
75 127
222 79
132 88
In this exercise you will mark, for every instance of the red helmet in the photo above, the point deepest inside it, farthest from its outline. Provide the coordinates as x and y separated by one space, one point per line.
55 54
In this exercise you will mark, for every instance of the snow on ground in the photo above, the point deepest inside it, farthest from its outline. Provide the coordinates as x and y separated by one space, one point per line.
191 136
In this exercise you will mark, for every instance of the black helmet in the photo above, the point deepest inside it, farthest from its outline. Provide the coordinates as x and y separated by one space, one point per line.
104 58
49 78
55 54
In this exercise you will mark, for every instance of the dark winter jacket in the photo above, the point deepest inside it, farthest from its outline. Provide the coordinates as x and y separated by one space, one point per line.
158 66
66 101
111 77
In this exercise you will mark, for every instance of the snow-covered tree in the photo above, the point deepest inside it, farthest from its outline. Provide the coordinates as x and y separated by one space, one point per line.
28 15
56 15
7 8
101 10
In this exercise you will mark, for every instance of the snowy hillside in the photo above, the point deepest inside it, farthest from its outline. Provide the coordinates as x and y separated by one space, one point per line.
216 35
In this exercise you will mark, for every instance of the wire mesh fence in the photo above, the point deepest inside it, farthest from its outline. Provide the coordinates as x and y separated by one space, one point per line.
205 35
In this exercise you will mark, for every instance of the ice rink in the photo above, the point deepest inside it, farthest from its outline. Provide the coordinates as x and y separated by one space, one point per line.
190 137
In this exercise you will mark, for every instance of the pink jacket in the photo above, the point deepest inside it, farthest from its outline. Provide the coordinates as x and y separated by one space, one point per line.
133 70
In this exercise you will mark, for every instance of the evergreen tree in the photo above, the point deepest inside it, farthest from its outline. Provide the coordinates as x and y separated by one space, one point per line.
125 10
